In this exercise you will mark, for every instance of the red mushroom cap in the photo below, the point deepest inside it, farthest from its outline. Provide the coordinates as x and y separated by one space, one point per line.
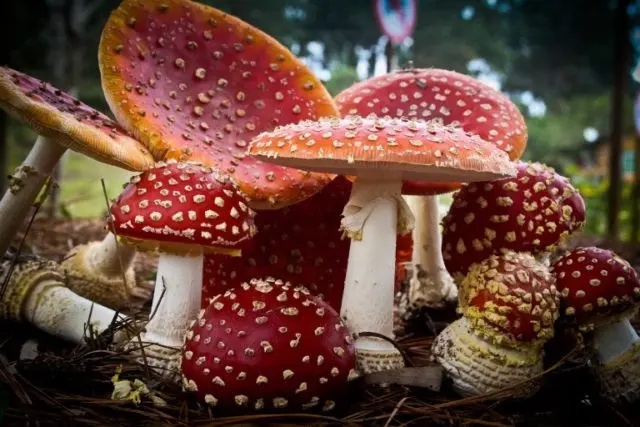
67 121
268 345
596 285
531 212
404 256
195 83
409 149
446 96
182 207
511 299
301 243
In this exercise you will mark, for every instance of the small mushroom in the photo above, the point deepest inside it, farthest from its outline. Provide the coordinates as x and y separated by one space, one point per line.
532 212
63 122
452 99
36 292
268 345
600 293
182 210
381 152
195 83
509 304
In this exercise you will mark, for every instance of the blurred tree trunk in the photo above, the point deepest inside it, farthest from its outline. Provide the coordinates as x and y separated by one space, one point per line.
635 199
58 61
68 23
621 62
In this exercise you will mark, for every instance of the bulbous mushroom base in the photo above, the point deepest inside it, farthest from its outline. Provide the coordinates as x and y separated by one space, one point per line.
381 356
164 361
477 367
117 291
24 279
619 378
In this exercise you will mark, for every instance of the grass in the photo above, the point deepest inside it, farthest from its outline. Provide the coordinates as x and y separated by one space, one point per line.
81 190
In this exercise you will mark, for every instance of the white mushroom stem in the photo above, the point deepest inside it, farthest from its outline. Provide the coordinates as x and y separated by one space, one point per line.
108 257
617 348
614 339
176 300
24 186
372 215
56 310
430 283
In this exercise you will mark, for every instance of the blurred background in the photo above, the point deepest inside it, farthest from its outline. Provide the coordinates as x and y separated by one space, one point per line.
568 64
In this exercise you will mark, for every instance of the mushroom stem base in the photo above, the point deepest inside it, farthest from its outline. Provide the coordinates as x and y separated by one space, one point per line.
431 285
369 360
619 378
176 302
476 366
24 186
614 339
36 293
95 271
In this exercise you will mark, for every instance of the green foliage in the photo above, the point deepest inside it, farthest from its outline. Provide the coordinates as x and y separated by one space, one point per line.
341 78
557 138
594 190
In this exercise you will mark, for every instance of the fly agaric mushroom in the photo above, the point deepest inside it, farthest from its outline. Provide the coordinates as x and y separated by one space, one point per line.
192 82
452 98
301 243
509 304
182 210
63 122
531 212
600 292
381 152
268 345
36 292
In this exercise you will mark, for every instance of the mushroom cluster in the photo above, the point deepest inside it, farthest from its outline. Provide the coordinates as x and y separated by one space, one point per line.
382 153
497 238
98 270
600 292
452 99
182 210
268 345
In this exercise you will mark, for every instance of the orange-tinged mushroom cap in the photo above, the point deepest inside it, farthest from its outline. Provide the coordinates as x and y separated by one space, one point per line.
447 96
195 83
406 149
59 116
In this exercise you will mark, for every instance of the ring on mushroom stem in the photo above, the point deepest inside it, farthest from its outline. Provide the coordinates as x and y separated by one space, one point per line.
268 345
381 152
600 292
182 210
195 83
63 122
454 99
